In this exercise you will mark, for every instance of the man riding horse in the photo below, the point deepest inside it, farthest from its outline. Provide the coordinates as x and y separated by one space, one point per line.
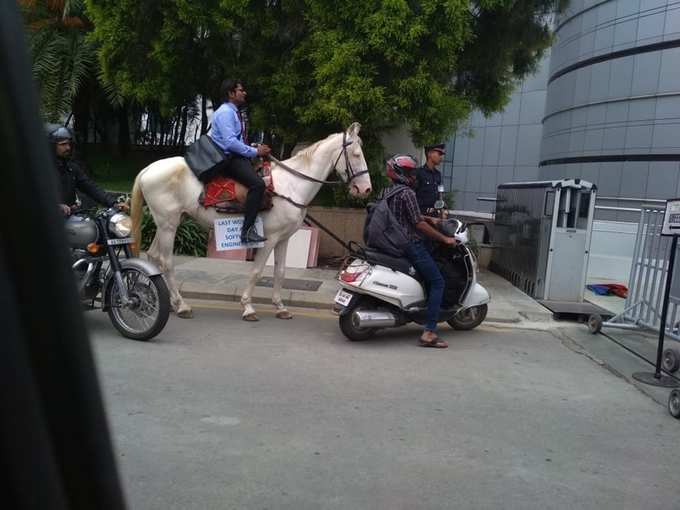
229 133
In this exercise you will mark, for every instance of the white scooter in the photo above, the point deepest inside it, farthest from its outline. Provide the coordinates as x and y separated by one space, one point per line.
379 291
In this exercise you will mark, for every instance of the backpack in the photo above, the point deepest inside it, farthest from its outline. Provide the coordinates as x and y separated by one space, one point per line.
382 231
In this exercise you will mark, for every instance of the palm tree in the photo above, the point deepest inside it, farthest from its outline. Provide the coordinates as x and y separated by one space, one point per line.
63 58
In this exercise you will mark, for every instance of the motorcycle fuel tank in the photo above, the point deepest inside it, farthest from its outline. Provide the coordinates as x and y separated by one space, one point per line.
80 231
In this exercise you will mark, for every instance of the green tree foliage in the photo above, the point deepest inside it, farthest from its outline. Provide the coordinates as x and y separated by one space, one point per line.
63 59
313 66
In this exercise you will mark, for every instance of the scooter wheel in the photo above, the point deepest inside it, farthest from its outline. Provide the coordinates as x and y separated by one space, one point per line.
469 318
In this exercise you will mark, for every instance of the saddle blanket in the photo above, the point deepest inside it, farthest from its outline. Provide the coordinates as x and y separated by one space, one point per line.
228 195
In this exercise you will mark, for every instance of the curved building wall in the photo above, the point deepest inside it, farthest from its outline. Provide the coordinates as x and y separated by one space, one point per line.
505 147
613 104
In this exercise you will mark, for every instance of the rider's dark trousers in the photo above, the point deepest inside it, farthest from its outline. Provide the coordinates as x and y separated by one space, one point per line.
240 169
420 257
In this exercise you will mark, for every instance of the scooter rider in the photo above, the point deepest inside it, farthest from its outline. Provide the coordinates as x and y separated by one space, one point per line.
72 176
401 170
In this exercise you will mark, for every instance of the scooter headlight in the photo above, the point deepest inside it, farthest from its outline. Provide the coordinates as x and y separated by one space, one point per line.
120 225
462 237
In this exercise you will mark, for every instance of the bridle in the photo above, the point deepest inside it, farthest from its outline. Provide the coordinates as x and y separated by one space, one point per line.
350 174
349 171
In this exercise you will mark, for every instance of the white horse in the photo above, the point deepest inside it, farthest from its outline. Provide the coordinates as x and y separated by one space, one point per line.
170 188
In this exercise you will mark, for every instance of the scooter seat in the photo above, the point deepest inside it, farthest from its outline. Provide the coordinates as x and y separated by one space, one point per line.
397 264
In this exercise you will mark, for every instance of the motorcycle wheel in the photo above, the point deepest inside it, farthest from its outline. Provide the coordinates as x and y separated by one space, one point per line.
469 318
350 330
149 308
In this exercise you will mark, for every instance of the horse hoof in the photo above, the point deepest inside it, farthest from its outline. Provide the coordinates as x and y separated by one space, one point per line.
185 314
251 317
284 314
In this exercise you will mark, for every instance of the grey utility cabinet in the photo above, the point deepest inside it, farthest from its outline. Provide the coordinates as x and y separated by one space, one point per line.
542 235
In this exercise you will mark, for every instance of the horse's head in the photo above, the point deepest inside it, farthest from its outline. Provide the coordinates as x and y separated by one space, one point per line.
351 164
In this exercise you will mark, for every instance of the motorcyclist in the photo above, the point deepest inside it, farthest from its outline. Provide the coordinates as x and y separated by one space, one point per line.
401 170
71 175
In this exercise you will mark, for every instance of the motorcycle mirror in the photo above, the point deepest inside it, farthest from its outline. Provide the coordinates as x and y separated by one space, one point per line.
440 189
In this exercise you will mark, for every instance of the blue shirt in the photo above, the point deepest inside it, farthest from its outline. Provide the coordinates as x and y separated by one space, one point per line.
226 131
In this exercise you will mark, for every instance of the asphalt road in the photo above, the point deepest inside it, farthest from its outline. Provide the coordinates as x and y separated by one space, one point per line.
218 413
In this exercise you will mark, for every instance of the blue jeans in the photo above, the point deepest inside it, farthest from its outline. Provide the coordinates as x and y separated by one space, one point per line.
421 259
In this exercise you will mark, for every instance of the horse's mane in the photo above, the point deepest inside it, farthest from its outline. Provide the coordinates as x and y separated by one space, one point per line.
307 153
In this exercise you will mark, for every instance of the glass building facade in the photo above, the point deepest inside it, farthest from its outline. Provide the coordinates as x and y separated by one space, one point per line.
604 106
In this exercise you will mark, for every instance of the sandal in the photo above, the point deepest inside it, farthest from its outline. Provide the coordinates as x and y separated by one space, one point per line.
435 343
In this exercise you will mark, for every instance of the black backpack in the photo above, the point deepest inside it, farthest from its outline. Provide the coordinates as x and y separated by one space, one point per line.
382 231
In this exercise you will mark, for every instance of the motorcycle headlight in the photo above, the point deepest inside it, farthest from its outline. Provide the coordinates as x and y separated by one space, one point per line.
120 225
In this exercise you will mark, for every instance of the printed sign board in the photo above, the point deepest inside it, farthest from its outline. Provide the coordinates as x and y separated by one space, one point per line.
671 220
228 233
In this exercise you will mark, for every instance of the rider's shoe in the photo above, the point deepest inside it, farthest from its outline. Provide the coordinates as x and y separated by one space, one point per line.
252 237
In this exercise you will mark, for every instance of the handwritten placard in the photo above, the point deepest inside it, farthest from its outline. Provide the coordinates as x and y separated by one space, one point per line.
228 233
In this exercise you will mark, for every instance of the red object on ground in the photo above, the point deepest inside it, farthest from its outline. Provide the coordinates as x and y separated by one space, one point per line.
618 290
604 289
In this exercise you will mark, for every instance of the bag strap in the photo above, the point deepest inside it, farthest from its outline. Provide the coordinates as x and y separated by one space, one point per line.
394 191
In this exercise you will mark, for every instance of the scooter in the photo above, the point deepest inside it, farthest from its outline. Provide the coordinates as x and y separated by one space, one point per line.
379 291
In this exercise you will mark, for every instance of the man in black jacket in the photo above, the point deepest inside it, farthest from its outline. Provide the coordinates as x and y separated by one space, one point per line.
428 177
72 176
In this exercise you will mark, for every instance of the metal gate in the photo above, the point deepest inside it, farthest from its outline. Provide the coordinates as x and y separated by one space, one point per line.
648 278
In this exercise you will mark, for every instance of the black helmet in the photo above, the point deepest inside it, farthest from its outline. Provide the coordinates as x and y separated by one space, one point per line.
58 133
401 169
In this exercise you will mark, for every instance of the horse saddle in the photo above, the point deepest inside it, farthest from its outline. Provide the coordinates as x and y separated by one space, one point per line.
229 196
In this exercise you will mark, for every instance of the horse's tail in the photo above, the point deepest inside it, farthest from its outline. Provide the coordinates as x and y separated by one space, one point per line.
136 210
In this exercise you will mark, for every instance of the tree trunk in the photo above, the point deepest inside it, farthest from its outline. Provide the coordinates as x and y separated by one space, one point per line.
161 135
81 116
204 114
183 130
176 122
123 130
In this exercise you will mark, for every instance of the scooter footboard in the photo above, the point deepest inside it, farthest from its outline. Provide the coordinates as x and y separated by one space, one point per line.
478 295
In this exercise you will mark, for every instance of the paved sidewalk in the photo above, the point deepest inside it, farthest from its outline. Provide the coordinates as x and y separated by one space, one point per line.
224 280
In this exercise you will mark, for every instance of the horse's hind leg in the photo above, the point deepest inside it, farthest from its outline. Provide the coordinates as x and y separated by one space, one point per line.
279 275
160 252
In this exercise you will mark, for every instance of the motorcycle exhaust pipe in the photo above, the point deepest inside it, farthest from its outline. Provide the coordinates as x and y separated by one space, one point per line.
85 278
373 319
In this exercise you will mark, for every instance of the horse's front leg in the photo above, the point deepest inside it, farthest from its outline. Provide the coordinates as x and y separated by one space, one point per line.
255 273
279 275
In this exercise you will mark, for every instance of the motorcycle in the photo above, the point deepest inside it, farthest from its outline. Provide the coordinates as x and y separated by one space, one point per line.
379 291
131 290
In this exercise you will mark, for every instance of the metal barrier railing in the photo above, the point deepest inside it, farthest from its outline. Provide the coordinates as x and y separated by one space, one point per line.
648 278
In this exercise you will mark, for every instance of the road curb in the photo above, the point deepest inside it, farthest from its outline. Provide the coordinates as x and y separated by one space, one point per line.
297 303
233 298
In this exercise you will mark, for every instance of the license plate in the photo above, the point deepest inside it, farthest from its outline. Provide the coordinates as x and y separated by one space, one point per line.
343 297
113 242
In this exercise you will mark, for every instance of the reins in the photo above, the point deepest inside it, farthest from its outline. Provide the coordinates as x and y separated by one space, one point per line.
348 169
